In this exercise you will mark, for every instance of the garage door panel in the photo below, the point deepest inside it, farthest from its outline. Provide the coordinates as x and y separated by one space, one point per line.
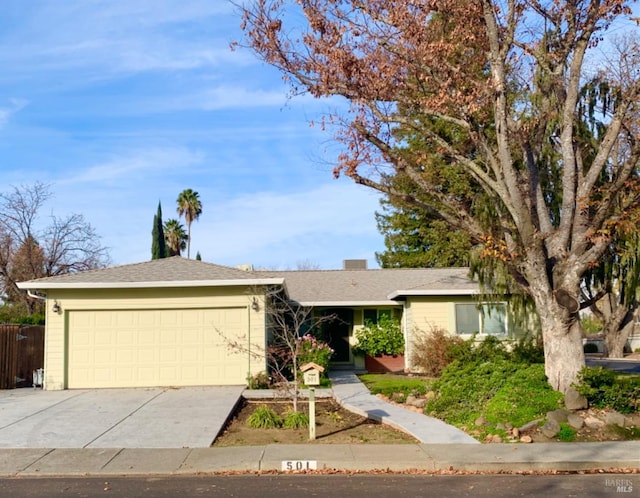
142 348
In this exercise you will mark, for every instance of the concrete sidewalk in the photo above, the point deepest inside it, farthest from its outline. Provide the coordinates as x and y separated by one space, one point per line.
366 457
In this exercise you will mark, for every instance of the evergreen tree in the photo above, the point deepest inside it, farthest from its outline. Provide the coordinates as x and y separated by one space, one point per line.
414 237
158 247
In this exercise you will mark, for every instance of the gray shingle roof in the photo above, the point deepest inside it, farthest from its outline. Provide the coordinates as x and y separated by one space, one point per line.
159 272
309 287
374 286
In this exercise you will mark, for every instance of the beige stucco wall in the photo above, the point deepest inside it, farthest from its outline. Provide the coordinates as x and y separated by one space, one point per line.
425 313
56 334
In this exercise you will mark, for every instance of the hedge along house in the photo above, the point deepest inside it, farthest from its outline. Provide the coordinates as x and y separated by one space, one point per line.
169 322
166 322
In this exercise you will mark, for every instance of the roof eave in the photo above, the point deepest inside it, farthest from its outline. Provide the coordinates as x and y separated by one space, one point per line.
433 292
317 304
34 284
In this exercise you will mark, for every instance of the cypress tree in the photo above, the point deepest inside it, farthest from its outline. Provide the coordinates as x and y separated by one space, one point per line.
158 247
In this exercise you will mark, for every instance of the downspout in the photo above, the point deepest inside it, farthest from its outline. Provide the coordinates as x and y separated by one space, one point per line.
249 342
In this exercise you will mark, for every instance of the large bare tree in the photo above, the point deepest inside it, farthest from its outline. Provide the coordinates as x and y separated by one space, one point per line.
32 248
514 81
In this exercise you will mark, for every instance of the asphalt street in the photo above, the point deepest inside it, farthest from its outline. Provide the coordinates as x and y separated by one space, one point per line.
338 485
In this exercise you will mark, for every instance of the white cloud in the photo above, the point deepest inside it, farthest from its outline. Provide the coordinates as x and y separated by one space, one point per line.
269 229
15 105
109 37
134 164
266 227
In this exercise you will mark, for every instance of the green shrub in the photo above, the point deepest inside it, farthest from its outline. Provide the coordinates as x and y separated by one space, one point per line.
432 351
604 389
384 337
528 349
17 315
471 351
295 420
264 417
566 433
501 390
465 388
260 380
491 347
525 396
591 325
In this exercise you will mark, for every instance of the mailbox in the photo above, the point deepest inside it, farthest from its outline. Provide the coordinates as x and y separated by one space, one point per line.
311 373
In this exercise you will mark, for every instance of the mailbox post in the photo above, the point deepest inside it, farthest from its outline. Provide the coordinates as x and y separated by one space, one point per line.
311 373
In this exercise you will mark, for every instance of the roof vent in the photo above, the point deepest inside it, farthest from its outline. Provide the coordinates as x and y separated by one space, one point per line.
247 267
354 264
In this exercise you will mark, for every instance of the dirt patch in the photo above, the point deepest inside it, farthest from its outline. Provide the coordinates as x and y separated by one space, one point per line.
334 425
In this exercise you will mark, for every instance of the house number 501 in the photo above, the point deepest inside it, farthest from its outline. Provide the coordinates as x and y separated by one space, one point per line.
291 465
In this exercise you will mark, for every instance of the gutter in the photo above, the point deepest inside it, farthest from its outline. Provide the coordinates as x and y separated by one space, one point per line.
35 284
35 296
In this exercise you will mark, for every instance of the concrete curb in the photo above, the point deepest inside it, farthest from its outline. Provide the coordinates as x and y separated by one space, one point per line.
396 458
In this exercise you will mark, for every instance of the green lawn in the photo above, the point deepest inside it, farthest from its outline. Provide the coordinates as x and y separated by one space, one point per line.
388 384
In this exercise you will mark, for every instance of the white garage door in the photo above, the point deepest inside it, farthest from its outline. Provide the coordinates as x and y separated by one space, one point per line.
145 348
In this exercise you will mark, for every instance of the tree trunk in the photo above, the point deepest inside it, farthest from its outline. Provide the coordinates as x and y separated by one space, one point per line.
561 330
615 340
563 351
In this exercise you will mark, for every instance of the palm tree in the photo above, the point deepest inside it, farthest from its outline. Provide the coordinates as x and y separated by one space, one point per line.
190 207
175 237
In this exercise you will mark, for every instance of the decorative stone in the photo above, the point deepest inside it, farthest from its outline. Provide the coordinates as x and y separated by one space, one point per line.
593 422
550 428
480 421
501 427
526 439
496 439
411 399
529 426
420 403
575 421
615 418
516 432
559 416
573 400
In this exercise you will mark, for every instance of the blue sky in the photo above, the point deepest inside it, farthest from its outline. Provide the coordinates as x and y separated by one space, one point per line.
119 104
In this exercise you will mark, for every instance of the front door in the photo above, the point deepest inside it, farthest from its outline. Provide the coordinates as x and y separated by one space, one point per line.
337 332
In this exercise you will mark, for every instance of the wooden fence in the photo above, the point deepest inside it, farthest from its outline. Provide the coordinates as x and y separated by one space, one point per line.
21 352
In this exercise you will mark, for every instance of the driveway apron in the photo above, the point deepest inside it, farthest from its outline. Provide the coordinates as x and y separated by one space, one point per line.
188 417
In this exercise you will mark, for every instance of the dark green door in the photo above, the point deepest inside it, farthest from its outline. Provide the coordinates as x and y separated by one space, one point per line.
337 332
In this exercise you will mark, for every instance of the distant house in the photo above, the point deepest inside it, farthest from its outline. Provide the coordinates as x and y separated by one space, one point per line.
168 322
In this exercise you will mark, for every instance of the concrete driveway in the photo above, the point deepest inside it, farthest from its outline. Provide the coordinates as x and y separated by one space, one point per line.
189 417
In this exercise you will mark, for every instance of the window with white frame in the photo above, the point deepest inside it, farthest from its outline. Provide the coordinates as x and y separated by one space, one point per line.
486 318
